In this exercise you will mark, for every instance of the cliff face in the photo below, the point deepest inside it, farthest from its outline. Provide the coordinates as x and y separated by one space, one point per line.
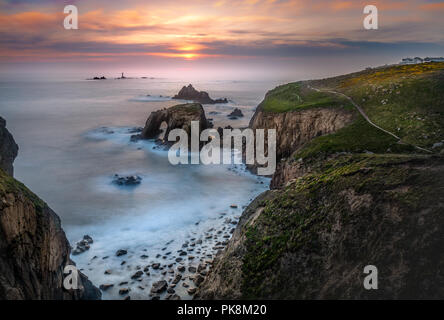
313 238
345 195
294 129
8 148
33 246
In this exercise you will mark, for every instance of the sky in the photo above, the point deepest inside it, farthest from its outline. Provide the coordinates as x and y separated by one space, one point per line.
226 39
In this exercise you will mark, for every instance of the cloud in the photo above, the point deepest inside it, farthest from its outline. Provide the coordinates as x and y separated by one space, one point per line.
215 29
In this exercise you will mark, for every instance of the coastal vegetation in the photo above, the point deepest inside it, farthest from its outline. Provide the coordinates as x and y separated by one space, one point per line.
353 196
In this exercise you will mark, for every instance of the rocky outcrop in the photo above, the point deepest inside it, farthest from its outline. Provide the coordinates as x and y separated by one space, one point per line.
8 148
33 247
176 117
237 113
189 93
313 238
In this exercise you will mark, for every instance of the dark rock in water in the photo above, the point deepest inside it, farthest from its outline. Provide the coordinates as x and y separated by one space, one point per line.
136 137
176 117
127 298
177 278
88 239
155 298
159 286
105 287
135 130
137 275
189 93
181 268
192 269
237 113
121 252
127 181
124 291
98 78
155 266
83 245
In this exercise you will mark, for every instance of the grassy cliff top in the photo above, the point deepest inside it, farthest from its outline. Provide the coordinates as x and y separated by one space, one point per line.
406 100
298 96
10 185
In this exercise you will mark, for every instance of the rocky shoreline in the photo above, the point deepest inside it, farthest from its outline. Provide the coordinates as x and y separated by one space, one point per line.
173 271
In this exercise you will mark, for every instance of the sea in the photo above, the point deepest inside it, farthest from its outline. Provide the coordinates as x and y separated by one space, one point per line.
74 137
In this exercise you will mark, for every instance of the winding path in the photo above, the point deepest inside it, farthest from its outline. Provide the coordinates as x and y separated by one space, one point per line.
361 111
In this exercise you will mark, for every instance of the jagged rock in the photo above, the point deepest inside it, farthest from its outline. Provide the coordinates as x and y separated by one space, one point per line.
88 239
237 113
159 286
8 148
189 93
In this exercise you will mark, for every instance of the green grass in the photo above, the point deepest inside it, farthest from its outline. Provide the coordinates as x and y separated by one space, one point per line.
296 96
406 100
9 185
357 137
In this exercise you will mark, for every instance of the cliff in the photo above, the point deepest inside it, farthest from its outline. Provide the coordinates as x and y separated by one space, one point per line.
8 148
345 194
33 246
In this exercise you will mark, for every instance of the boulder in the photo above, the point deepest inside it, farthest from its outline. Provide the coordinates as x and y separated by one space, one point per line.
159 286
137 275
121 252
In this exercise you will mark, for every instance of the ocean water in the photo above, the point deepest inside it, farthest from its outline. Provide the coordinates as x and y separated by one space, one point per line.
74 135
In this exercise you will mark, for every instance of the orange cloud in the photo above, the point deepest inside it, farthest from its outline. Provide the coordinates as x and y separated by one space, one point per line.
433 6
